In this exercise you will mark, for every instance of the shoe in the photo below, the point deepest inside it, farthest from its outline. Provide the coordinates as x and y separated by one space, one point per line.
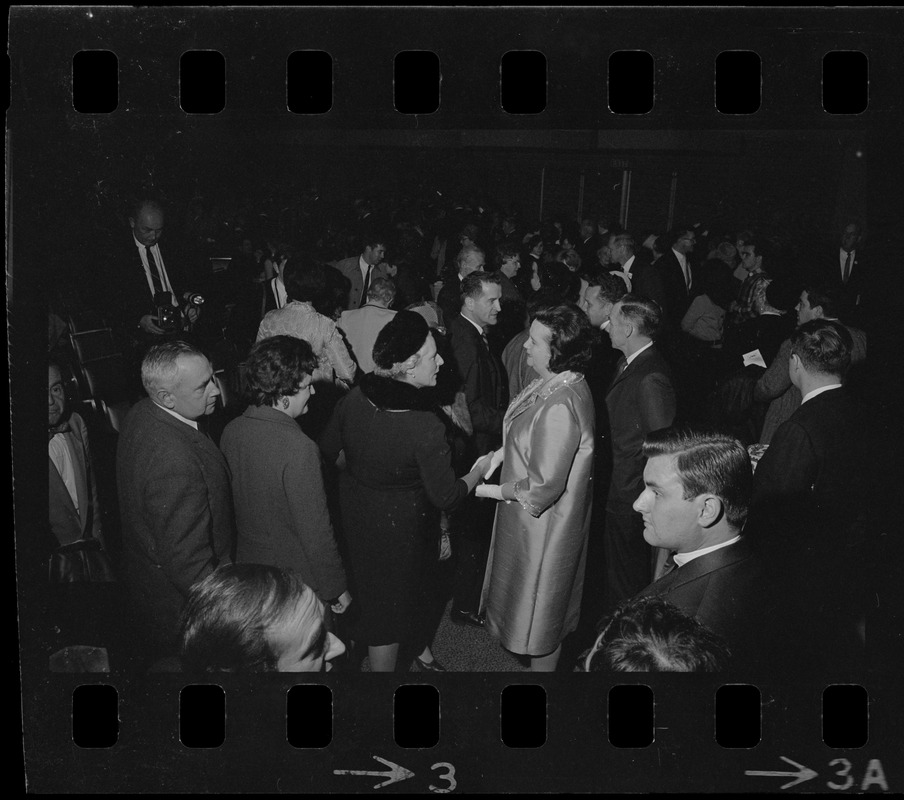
429 666
466 618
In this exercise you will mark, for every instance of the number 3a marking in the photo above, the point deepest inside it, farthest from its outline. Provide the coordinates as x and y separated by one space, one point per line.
449 776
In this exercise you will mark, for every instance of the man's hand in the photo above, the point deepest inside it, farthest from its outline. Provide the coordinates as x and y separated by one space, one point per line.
193 312
344 601
148 323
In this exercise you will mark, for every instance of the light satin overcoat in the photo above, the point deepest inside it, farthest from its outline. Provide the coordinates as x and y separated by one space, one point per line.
535 574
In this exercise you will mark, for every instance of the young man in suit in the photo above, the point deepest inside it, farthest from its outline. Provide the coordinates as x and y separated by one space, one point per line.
677 278
640 400
696 492
174 491
810 493
362 269
485 384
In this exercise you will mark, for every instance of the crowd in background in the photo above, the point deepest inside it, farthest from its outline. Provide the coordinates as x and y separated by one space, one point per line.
308 445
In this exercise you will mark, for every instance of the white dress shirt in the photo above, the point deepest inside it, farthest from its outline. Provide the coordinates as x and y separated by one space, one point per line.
62 460
820 390
682 558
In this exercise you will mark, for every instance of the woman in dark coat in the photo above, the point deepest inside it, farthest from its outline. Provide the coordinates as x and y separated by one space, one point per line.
396 477
277 485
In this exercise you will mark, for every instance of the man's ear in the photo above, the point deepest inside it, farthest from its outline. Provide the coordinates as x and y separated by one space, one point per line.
166 399
817 312
711 511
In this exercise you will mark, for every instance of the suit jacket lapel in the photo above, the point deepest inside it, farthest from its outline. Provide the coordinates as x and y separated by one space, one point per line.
77 453
58 487
704 565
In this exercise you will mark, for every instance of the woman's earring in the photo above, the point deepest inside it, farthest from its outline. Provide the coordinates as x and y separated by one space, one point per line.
285 402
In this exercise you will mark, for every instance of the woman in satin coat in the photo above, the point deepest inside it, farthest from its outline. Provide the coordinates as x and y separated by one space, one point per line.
535 574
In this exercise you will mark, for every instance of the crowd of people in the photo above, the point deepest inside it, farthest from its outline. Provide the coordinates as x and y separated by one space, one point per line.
613 452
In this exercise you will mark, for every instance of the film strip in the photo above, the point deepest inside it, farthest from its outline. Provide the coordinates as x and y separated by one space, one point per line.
410 89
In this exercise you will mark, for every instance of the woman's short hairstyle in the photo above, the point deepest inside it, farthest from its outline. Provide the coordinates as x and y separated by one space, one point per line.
398 342
650 634
571 338
275 368
643 313
707 463
225 622
505 251
823 346
304 280
570 259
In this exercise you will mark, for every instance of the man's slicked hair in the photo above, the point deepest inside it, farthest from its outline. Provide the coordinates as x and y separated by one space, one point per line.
650 634
707 463
828 298
643 313
823 346
225 622
612 288
472 285
159 367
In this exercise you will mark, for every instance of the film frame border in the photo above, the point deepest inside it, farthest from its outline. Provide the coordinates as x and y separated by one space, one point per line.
469 118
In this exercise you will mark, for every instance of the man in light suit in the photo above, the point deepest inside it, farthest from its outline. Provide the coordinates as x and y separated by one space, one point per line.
174 491
361 270
640 400
696 492
362 325
811 494
74 507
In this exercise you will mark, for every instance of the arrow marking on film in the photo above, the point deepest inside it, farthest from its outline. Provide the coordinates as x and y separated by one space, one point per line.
395 774
803 773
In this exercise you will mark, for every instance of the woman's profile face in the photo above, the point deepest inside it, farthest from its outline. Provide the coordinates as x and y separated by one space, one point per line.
298 402
427 368
537 347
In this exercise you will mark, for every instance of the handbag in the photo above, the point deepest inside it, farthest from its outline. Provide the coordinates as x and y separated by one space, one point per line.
83 561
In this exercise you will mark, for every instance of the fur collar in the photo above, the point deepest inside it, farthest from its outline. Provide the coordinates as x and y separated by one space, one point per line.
392 395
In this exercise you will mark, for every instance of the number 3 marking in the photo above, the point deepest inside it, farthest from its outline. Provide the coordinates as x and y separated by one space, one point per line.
845 772
449 776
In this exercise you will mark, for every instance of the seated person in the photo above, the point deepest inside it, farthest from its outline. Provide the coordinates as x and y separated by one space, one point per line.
254 618
649 634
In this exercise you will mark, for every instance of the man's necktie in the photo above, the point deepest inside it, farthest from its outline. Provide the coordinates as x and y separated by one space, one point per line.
370 269
687 269
486 342
155 272
847 267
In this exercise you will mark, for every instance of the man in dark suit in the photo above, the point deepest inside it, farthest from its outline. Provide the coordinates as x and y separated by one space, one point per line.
483 377
845 269
174 491
640 400
809 489
696 491
362 269
137 274
674 269
469 259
